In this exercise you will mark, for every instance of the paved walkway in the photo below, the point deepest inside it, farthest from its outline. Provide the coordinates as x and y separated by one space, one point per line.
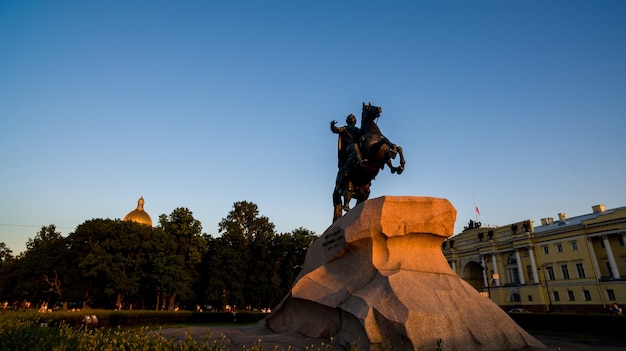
247 335
572 344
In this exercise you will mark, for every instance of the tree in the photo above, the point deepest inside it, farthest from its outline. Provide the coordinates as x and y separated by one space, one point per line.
246 250
182 250
47 234
81 243
8 272
228 263
44 256
5 253
206 289
117 259
290 251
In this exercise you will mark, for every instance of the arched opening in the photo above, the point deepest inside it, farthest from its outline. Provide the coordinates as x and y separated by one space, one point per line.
515 297
473 274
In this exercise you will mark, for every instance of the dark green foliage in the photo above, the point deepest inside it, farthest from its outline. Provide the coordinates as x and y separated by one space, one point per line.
109 263
5 253
183 246
41 268
290 250
32 332
117 260
111 318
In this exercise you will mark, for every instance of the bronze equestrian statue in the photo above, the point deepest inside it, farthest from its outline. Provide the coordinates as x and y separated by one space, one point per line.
362 154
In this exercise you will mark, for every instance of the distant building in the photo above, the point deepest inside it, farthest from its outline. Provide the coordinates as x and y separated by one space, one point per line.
139 215
575 264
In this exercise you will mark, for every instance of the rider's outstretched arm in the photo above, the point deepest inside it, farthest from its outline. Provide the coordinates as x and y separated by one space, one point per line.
336 129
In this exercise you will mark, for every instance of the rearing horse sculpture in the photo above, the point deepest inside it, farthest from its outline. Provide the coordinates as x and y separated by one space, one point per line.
377 151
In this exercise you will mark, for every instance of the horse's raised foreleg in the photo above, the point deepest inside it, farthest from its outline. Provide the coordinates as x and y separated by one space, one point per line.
400 169
392 155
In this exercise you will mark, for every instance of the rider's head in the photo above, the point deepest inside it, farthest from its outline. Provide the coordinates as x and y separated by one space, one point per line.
351 119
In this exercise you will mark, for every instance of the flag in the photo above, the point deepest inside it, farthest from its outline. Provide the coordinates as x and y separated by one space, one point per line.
477 211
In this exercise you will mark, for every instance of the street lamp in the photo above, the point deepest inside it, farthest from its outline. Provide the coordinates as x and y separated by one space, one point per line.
494 276
545 279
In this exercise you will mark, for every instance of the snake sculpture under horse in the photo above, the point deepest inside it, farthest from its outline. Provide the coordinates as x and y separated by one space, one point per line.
378 151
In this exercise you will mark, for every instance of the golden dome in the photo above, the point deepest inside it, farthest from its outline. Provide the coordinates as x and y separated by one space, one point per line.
139 215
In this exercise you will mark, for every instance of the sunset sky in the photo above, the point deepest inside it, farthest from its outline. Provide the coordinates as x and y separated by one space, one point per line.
520 105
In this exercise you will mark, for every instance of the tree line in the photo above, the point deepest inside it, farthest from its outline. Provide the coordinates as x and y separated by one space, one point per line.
109 263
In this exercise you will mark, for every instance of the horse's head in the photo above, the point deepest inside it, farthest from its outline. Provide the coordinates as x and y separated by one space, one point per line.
370 112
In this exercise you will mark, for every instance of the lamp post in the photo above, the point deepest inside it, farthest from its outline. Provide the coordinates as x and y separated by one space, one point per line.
545 279
490 280
483 265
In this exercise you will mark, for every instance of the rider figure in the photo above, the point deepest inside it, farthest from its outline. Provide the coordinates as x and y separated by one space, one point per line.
349 151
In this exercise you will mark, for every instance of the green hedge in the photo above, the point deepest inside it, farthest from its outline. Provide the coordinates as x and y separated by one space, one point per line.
108 318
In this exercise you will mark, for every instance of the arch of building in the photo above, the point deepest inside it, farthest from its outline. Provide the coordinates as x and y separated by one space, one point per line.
472 273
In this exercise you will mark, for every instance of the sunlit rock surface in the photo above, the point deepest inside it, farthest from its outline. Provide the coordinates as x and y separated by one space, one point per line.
377 278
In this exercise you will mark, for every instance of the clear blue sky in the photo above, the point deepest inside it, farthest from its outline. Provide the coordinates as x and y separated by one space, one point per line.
200 104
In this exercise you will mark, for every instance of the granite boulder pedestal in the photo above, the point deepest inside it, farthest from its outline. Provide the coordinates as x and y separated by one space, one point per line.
377 279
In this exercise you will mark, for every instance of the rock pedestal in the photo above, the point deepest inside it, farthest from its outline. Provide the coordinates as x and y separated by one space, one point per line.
377 278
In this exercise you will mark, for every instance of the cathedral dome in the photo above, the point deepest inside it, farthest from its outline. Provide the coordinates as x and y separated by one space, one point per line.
139 215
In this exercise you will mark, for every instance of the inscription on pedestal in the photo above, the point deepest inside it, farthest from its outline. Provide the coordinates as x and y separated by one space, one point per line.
334 240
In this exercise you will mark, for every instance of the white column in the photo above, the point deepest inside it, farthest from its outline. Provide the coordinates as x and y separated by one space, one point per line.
453 265
533 265
495 268
502 268
520 271
482 263
609 255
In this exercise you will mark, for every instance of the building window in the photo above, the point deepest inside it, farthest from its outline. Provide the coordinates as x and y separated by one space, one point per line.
610 294
550 273
530 298
516 298
587 295
570 295
574 245
510 259
581 270
546 250
556 296
559 248
565 271
514 275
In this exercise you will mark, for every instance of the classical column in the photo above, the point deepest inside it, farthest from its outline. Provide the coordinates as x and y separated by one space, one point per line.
453 265
502 268
533 265
482 263
520 271
495 268
609 255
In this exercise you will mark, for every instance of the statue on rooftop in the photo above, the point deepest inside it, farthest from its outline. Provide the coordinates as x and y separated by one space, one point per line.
362 153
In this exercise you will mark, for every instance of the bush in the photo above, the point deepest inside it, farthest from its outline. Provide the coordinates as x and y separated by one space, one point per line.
109 318
25 332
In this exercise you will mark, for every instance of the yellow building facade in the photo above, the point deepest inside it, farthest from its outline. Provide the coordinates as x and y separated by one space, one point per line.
575 264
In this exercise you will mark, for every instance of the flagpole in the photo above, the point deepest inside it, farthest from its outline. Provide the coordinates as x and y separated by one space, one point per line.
476 207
